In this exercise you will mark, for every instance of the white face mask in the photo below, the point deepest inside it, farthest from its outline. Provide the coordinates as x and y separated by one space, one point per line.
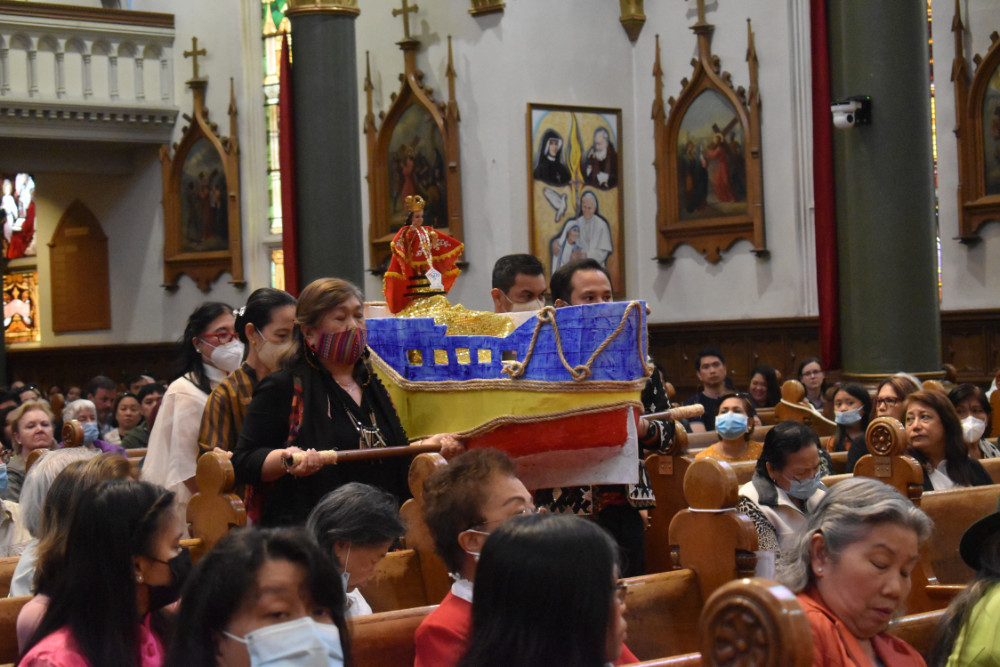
227 357
973 429
475 554
346 575
299 643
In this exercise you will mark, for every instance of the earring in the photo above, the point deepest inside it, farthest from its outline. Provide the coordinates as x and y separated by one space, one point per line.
138 578
819 570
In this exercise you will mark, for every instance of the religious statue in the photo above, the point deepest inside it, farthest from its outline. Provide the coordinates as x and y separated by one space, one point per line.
423 260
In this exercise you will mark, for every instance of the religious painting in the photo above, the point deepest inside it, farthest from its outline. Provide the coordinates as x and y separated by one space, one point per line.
17 206
204 214
711 169
977 131
20 307
417 167
575 186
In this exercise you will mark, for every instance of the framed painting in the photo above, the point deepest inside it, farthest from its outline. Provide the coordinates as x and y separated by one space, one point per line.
17 206
20 306
709 185
978 133
575 187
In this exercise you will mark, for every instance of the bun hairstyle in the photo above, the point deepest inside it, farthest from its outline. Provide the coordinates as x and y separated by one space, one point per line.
259 308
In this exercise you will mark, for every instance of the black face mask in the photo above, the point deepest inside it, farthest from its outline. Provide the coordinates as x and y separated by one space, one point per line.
180 567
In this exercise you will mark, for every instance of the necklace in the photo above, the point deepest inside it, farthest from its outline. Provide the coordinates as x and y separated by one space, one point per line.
433 275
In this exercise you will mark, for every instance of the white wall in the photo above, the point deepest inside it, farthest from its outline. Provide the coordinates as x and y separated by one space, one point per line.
970 274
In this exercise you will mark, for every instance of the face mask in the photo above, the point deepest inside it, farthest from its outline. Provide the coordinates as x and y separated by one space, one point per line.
299 643
848 417
90 433
227 357
346 575
180 566
731 425
475 554
973 429
270 353
804 488
343 347
3 476
534 304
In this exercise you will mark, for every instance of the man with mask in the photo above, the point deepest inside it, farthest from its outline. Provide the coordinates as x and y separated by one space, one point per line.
102 392
464 502
518 284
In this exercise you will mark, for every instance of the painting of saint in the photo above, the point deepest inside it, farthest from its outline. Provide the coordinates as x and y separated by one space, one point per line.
711 160
991 134
575 187
417 168
20 307
204 205
17 206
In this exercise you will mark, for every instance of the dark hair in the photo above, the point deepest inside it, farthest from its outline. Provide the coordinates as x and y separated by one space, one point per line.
748 407
259 309
114 410
188 358
454 495
784 438
708 352
959 612
151 388
857 391
137 378
956 453
561 283
965 391
771 380
224 579
355 513
97 382
508 267
544 588
95 595
812 360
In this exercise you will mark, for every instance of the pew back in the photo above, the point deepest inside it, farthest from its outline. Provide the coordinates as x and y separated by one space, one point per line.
953 511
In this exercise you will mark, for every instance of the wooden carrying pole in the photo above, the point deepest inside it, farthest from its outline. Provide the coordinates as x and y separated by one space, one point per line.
332 457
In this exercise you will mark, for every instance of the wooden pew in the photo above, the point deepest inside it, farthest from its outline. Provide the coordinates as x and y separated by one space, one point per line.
992 466
9 609
995 405
7 566
794 407
953 511
887 461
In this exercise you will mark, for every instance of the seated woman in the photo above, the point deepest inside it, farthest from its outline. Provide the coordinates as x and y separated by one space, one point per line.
852 410
33 497
935 434
974 411
813 378
271 594
356 525
764 387
890 394
326 398
126 415
548 593
850 566
31 429
734 424
83 411
967 633
784 491
76 480
123 564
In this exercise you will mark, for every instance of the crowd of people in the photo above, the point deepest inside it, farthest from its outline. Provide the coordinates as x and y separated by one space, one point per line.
537 573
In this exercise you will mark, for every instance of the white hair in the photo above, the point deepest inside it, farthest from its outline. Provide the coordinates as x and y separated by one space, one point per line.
72 411
40 477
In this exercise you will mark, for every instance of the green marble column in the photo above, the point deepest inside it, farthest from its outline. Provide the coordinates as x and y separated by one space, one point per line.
889 308
327 140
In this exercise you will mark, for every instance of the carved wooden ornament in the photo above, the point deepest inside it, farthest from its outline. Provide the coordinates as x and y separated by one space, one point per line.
414 152
201 196
709 186
977 129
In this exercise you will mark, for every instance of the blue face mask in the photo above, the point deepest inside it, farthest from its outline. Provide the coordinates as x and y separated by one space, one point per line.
848 417
90 433
731 425
803 489
3 476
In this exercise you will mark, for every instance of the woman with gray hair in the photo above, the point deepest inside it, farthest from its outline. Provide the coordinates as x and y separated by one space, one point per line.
851 569
84 412
356 524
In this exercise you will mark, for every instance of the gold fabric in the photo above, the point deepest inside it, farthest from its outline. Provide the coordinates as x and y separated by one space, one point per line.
460 320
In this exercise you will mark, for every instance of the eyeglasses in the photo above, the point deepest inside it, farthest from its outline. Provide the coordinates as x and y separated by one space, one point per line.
621 590
530 509
220 338
809 374
886 402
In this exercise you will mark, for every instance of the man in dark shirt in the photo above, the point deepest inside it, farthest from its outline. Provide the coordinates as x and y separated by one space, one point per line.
710 367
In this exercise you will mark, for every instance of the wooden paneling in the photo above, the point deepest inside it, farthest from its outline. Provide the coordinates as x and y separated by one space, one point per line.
67 366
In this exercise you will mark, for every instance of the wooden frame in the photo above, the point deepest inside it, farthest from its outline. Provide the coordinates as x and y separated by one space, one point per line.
201 197
709 184
561 184
977 130
425 166
20 306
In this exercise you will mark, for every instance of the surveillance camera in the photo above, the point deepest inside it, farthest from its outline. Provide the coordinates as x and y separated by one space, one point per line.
850 112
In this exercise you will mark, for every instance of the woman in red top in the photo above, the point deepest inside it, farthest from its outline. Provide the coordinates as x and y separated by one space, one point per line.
851 569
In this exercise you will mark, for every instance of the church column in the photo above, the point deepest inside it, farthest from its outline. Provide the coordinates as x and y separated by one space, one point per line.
327 141
889 313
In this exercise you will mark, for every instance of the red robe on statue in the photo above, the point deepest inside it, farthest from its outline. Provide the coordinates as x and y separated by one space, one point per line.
409 263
